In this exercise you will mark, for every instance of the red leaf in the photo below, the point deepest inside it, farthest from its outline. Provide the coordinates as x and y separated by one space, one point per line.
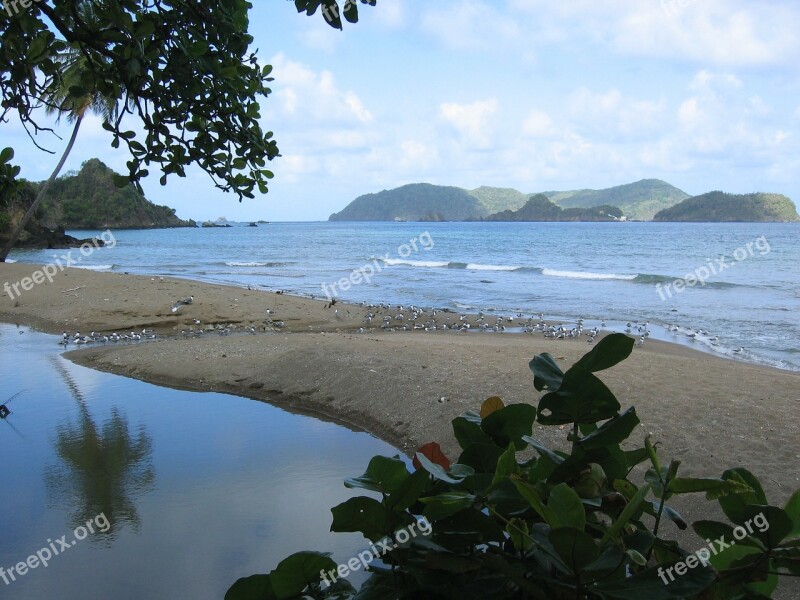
433 452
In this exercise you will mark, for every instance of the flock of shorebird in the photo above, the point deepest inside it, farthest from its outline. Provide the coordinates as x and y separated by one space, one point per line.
390 318
94 338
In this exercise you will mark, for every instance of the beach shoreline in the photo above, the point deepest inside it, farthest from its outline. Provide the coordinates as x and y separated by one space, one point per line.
404 387
709 412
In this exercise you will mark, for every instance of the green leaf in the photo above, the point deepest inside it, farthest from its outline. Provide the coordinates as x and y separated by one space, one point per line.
481 457
650 584
626 515
510 424
532 496
330 12
507 465
365 515
468 432
743 566
145 29
551 455
6 154
436 470
733 505
299 571
566 507
793 510
446 505
351 11
612 349
714 488
582 398
410 490
255 587
612 432
547 375
384 475
714 530
575 547
770 524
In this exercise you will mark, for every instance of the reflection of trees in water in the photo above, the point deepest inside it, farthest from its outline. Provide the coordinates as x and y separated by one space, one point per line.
102 469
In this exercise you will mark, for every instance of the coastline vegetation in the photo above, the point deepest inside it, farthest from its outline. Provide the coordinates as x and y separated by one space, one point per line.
722 207
591 523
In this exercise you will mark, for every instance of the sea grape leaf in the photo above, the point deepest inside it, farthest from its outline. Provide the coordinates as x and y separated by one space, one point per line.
612 349
255 587
365 515
384 475
547 375
733 505
612 432
490 405
582 398
575 547
510 424
469 432
566 507
298 571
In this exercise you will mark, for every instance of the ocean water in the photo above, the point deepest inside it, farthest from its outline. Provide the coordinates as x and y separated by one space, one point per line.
745 305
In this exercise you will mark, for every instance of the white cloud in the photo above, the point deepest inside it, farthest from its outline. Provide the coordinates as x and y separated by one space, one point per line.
470 25
612 114
312 96
472 120
538 124
719 32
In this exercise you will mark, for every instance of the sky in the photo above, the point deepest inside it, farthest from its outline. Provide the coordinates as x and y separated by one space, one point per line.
528 94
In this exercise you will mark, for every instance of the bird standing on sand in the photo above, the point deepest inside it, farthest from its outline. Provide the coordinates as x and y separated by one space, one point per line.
182 302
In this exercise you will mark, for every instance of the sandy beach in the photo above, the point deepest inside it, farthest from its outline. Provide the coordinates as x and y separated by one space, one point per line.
406 387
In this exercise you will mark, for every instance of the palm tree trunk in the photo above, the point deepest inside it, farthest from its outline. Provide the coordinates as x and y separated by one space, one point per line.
32 209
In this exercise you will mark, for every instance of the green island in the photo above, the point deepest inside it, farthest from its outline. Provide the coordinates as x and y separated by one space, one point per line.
87 199
722 207
645 200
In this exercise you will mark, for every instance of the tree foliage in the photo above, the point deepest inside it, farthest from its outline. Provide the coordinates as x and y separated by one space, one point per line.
585 524
182 67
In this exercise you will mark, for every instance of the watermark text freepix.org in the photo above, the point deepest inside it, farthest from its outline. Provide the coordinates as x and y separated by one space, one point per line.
50 270
703 556
423 241
54 548
365 557
13 7
701 274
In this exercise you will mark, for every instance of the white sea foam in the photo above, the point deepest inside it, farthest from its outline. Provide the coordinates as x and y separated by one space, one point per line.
94 267
587 275
479 267
415 263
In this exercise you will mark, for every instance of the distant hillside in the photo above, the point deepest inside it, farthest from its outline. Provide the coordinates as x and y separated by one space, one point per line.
496 199
722 207
413 202
90 200
541 208
640 200
426 202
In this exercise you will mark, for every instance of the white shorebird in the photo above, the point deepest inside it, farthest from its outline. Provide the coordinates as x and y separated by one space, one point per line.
182 302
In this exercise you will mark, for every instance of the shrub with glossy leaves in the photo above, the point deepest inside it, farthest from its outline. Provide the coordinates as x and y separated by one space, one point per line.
553 525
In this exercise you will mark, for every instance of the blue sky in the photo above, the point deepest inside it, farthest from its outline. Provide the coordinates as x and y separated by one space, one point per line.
512 93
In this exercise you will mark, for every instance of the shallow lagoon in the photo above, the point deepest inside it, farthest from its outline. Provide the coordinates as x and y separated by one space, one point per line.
199 488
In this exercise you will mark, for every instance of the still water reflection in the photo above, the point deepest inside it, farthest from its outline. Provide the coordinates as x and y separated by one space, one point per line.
199 489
